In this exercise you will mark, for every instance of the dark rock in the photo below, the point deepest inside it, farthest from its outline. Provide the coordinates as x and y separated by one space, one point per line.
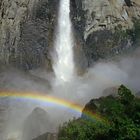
128 3
36 124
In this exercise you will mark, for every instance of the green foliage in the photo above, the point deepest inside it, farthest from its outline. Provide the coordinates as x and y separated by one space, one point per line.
122 113
82 129
125 95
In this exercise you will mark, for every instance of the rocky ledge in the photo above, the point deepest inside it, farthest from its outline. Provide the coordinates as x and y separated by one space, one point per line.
105 28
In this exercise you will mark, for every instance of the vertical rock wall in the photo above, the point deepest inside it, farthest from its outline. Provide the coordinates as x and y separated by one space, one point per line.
104 27
26 32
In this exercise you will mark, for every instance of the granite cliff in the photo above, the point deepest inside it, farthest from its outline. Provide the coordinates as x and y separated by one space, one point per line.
105 28
102 29
26 32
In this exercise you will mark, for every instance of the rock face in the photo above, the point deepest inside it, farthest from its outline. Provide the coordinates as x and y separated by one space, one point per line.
36 124
102 29
105 27
26 32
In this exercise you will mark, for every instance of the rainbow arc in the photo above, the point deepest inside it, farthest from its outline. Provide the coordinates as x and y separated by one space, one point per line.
47 99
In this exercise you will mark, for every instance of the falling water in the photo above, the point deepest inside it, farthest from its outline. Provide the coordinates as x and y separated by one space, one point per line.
64 65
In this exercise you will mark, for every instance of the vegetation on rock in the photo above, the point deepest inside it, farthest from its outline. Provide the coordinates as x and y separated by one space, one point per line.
122 113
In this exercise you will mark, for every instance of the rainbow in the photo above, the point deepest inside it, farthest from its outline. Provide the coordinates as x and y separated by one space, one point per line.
46 99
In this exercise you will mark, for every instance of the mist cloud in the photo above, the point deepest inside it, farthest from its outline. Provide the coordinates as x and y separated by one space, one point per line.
103 75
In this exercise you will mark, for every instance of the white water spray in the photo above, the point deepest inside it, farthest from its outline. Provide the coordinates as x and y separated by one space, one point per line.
64 64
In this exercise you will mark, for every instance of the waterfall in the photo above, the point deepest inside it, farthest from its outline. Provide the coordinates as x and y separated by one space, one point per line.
64 64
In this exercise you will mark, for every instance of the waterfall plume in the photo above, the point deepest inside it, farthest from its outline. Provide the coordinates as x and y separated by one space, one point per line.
63 63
